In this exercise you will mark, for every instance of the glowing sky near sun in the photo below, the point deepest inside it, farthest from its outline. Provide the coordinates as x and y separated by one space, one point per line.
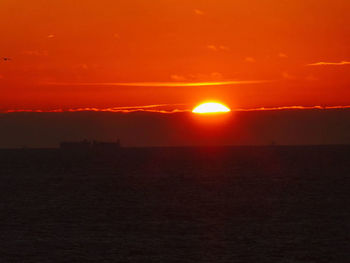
104 54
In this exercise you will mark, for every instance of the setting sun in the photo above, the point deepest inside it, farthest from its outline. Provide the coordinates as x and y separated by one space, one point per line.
211 107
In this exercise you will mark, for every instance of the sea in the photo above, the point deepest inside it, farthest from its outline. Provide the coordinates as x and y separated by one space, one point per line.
283 204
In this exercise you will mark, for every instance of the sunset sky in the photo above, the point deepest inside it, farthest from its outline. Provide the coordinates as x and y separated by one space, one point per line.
245 53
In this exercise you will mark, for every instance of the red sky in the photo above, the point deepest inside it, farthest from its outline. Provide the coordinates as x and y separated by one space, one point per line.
76 54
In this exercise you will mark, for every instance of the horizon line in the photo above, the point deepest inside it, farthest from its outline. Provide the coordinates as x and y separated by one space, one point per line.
195 146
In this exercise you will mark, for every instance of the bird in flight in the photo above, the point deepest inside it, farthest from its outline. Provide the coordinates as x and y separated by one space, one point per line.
6 59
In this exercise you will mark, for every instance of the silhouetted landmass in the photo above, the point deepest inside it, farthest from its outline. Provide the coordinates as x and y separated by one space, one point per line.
205 204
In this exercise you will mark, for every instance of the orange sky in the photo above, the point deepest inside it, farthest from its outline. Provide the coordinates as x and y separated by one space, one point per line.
114 53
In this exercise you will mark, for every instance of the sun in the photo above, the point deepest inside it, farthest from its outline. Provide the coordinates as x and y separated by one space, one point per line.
210 108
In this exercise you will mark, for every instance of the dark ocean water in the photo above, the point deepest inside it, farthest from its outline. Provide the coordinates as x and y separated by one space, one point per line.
238 204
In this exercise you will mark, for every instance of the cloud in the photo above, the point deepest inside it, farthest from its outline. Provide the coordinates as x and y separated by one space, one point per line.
286 75
159 84
216 76
198 12
250 59
211 77
156 108
225 48
176 77
172 108
295 108
218 48
197 78
82 66
282 55
39 53
342 63
212 47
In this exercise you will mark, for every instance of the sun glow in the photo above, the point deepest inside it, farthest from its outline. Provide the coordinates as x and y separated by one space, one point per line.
210 108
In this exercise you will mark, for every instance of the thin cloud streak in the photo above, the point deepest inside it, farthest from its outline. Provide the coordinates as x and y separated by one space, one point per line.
295 108
342 63
160 84
113 110
199 12
155 109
